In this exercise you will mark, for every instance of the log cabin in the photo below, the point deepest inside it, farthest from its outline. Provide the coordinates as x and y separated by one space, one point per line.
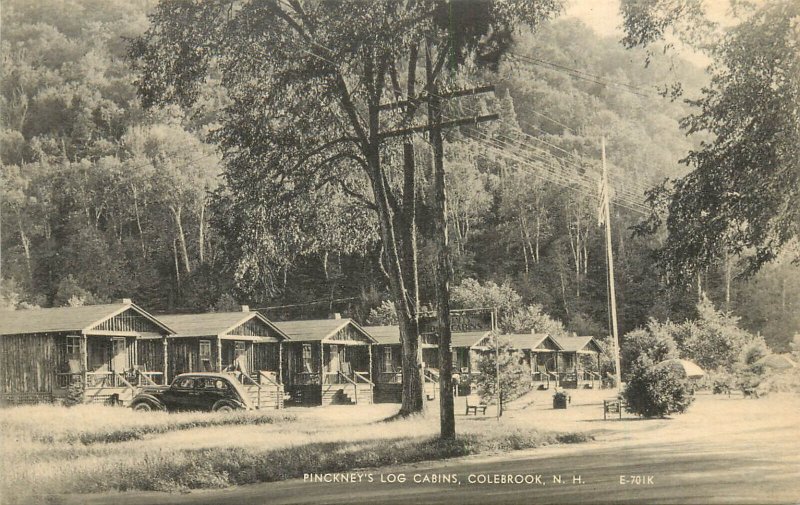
578 362
540 354
245 343
327 361
104 352
465 358
388 363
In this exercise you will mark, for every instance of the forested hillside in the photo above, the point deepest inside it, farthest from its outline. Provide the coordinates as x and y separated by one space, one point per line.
103 199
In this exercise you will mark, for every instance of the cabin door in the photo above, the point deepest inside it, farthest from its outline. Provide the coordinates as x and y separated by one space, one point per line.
334 362
119 355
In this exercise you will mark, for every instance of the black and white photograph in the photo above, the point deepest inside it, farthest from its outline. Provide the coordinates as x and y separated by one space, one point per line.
399 252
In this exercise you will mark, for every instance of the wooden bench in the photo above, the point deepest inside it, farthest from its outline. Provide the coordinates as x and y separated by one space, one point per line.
474 403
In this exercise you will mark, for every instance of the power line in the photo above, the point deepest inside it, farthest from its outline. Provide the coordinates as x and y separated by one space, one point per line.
580 74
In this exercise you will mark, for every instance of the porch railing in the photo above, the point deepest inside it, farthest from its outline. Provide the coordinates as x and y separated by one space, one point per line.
262 377
306 378
363 377
390 377
109 379
353 383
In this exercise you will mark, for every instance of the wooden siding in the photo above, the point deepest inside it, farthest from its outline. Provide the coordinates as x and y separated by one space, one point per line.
129 320
348 334
265 357
150 355
184 356
253 328
28 363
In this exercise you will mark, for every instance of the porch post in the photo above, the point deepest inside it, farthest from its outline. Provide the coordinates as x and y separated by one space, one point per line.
321 365
219 353
531 356
84 361
280 362
165 346
557 376
369 347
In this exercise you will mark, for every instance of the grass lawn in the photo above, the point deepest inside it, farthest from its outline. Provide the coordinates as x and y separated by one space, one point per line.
48 450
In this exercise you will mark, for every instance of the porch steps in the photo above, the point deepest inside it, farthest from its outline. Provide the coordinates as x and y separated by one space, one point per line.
341 394
271 397
105 395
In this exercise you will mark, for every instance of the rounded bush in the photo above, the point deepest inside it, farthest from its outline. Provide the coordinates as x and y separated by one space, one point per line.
654 391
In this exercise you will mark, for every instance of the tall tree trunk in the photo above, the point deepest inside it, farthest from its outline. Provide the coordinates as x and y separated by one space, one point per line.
405 302
728 275
176 214
138 219
201 239
447 415
177 264
26 246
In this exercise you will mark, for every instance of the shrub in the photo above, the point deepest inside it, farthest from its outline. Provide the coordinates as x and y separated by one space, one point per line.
74 393
655 341
654 391
514 377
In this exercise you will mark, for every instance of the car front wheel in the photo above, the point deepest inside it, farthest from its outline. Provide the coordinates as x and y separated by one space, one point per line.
142 407
223 408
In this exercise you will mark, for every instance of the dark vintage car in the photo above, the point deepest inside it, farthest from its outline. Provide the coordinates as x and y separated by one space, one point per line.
215 392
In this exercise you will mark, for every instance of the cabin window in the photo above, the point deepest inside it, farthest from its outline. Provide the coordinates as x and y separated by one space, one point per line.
73 345
238 348
307 365
387 358
205 349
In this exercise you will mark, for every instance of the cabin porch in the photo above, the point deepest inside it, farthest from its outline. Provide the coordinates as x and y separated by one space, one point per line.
107 368
326 373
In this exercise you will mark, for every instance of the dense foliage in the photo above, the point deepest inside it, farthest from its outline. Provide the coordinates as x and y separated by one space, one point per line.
653 391
101 199
515 379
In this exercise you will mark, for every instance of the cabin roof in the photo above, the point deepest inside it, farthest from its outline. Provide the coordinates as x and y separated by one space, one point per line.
467 338
386 335
315 330
526 341
60 319
575 344
213 323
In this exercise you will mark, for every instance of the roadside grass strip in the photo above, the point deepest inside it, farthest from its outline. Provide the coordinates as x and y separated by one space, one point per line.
91 424
99 457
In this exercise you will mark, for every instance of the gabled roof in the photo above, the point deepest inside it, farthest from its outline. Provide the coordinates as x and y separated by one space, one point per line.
522 341
467 338
575 344
532 341
214 324
73 319
385 335
315 330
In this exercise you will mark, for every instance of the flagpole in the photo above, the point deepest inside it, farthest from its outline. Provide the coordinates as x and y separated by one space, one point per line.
610 258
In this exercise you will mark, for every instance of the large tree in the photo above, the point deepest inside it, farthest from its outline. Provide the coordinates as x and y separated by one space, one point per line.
741 195
308 83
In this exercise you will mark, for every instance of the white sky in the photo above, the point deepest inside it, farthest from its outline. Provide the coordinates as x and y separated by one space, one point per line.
603 17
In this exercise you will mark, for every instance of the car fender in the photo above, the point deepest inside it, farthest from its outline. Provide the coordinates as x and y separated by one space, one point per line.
146 398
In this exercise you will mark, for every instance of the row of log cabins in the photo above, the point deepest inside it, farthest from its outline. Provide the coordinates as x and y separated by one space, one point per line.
107 352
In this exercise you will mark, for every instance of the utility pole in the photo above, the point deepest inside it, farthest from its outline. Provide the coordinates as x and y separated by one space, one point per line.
604 195
434 127
496 335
